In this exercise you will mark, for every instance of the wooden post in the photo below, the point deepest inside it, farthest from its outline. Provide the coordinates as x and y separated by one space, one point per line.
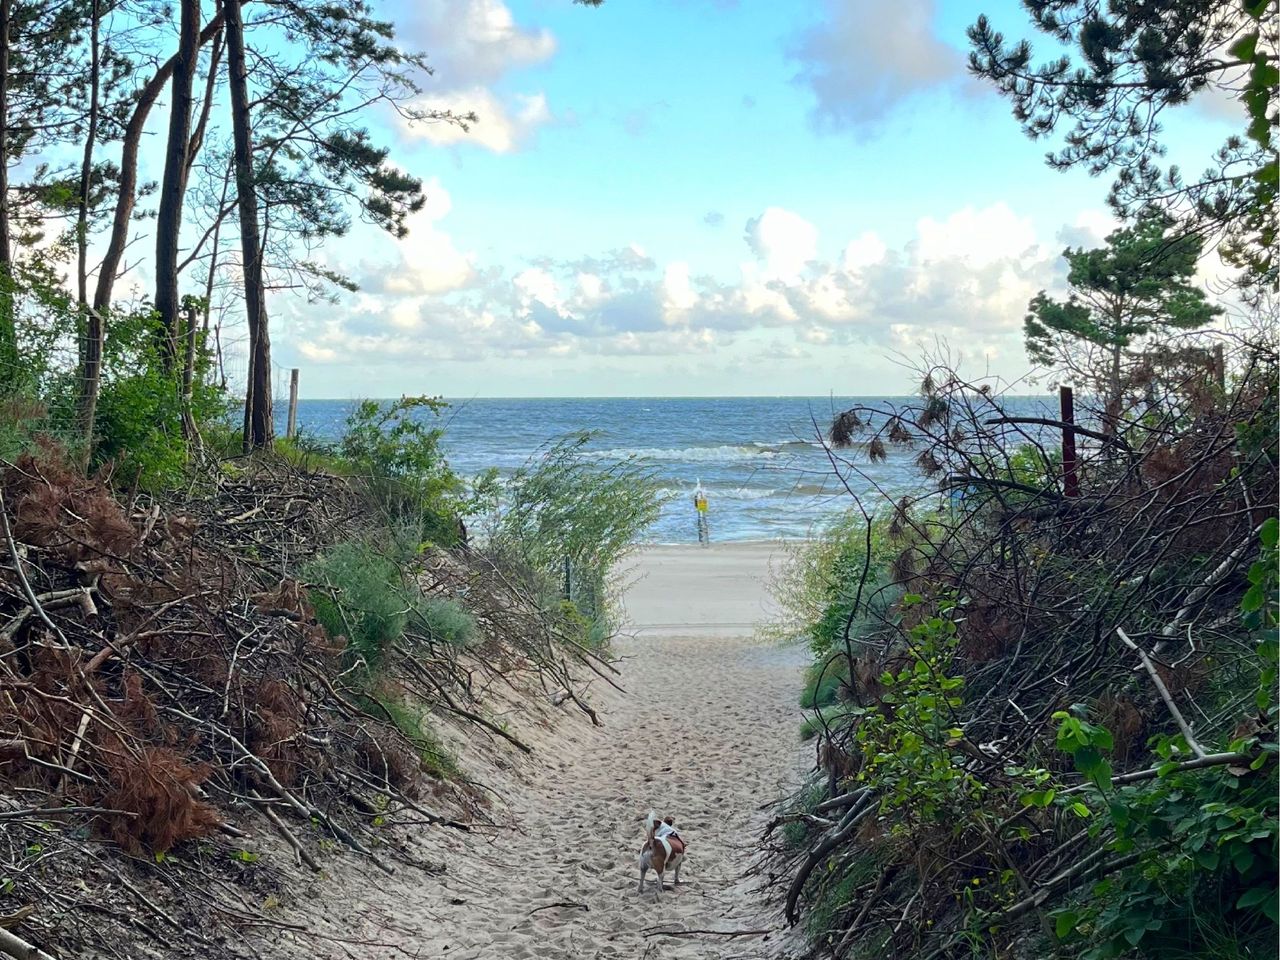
293 404
1070 479
1220 366
568 579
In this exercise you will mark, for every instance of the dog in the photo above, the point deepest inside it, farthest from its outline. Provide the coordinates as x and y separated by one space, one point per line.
663 848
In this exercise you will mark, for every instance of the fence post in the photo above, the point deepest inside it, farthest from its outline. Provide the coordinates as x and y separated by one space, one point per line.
292 429
568 579
1070 478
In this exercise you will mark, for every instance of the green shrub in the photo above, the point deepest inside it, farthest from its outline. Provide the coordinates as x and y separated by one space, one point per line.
823 680
23 418
1203 844
818 581
796 832
835 894
394 449
362 599
561 506
139 414
834 717
445 620
412 724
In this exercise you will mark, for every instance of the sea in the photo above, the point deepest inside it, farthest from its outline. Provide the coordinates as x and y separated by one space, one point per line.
762 461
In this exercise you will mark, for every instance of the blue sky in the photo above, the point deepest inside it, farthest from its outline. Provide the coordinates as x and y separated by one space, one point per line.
697 198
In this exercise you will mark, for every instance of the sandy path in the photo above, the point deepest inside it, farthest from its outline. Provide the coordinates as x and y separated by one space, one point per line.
706 732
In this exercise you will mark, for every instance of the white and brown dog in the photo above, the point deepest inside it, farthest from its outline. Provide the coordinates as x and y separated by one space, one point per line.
663 848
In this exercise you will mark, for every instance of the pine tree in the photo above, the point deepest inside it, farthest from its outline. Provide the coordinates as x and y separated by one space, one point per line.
1138 286
1122 65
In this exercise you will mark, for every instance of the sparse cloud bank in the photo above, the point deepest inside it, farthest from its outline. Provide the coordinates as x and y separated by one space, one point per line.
965 276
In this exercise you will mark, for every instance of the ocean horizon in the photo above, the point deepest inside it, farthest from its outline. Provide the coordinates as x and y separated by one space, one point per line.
762 461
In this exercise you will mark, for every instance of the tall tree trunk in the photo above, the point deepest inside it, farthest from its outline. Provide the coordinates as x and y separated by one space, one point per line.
118 239
173 184
91 332
259 428
190 429
8 325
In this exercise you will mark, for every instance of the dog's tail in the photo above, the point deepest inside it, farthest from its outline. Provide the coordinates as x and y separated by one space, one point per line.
650 824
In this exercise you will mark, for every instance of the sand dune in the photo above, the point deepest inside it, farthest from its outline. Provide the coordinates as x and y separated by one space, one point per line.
706 732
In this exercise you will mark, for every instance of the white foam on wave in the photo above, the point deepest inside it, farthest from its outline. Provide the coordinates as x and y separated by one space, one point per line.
715 492
727 453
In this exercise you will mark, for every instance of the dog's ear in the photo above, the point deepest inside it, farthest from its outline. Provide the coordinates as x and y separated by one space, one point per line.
669 821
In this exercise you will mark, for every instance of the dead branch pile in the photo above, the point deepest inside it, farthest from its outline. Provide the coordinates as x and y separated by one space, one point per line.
165 689
1123 596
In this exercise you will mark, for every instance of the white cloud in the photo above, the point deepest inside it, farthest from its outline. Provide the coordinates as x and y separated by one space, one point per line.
783 241
863 251
677 289
864 57
317 354
966 277
473 42
429 261
471 45
536 284
502 126
978 237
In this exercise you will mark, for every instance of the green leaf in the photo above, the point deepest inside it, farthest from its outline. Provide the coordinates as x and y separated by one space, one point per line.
1251 898
1270 532
1208 859
1065 922
1080 810
1253 599
1243 48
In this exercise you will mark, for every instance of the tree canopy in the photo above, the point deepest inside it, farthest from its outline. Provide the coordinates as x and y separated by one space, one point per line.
1122 65
1141 283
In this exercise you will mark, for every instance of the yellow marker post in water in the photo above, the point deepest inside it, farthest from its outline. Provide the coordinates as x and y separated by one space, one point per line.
700 505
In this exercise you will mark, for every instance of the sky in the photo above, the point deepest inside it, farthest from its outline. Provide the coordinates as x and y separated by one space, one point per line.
704 197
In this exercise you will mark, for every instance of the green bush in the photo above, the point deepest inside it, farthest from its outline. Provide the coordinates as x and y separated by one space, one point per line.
139 414
835 894
445 620
835 716
394 449
823 680
1202 845
561 506
796 832
362 598
818 582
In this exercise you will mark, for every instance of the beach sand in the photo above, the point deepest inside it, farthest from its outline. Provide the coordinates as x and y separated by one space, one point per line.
706 732
719 590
